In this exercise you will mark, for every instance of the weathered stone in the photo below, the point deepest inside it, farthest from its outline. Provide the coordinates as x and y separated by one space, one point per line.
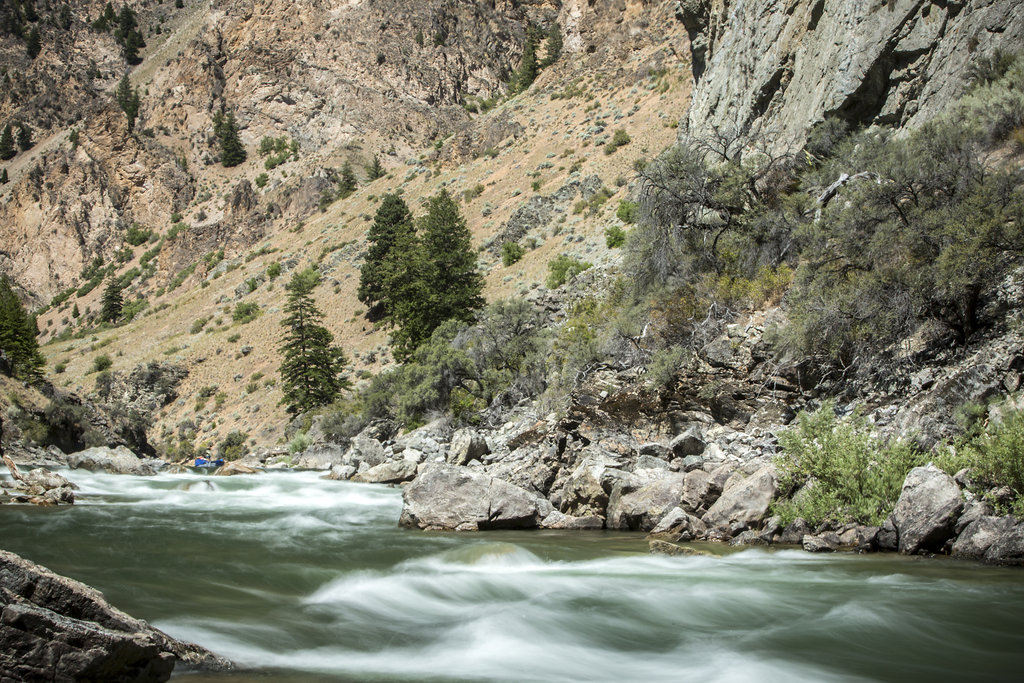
320 456
887 538
690 442
364 450
1008 548
232 468
926 511
658 450
827 542
393 472
457 498
860 537
979 535
57 629
696 487
649 462
118 460
660 547
679 526
559 520
641 509
467 444
746 502
340 472
748 537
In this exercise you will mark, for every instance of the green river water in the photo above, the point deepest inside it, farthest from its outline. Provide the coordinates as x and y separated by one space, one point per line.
299 579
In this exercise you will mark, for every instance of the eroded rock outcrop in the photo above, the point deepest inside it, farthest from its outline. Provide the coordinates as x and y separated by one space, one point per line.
927 510
459 499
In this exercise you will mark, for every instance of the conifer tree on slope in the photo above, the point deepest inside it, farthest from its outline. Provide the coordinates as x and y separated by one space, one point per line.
311 365
452 280
392 227
18 334
112 302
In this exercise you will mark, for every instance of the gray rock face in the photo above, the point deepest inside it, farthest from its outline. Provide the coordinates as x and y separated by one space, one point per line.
363 449
976 539
393 472
1008 548
821 543
559 520
118 460
641 509
926 511
690 442
746 503
57 629
679 526
459 499
320 456
466 445
804 60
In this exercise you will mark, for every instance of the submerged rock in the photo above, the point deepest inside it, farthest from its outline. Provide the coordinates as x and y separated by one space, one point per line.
459 499
56 629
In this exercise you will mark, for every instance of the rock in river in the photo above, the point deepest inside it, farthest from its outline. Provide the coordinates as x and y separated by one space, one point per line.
457 498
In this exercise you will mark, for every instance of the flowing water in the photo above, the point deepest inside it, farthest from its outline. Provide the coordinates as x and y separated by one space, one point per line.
300 579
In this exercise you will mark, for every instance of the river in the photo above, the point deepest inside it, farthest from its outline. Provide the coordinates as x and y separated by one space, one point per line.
301 579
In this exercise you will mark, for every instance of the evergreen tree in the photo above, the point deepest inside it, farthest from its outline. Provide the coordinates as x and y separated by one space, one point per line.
24 136
232 153
7 150
128 35
552 46
311 365
111 303
33 43
347 183
3 177
528 68
128 99
374 170
106 19
18 334
452 279
390 238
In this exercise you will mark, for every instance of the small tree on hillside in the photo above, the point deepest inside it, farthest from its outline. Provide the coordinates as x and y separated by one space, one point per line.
128 99
347 183
390 237
374 170
452 279
112 302
311 365
7 150
232 153
18 334
33 43
552 46
24 136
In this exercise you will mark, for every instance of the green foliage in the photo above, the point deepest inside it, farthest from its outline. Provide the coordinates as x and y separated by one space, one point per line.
996 458
664 365
835 470
128 100
101 363
374 169
24 137
311 365
552 46
274 270
391 240
18 334
232 446
619 139
528 67
299 443
232 153
614 236
245 312
33 43
111 302
261 180
137 235
511 252
563 268
7 149
347 183
626 211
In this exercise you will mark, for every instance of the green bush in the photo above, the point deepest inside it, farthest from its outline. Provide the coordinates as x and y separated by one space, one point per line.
232 446
626 211
619 139
273 270
261 180
245 312
299 443
511 252
137 235
614 236
997 459
101 363
834 469
563 268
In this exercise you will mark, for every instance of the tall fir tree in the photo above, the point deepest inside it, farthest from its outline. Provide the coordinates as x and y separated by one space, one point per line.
390 239
3 177
112 302
374 169
128 99
7 150
552 46
311 367
33 43
24 136
528 67
347 183
232 153
452 279
18 334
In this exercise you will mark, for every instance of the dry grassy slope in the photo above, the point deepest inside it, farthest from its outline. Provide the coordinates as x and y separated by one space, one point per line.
625 91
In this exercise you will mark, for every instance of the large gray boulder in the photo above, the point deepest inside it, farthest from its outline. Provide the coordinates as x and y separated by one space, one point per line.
744 504
1008 548
980 535
641 509
467 444
118 460
364 449
57 629
927 510
460 499
393 472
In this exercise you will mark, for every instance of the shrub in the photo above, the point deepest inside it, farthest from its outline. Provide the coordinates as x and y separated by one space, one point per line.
198 324
261 180
563 268
137 235
626 211
273 270
997 459
835 470
232 446
614 236
511 252
299 443
619 139
245 312
101 363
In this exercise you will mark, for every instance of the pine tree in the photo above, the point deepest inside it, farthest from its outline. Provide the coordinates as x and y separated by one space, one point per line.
311 366
24 136
528 68
18 334
232 153
33 43
111 303
390 239
7 150
347 183
3 177
128 99
552 46
374 170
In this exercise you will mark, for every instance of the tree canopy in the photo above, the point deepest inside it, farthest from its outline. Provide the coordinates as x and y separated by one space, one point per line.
18 334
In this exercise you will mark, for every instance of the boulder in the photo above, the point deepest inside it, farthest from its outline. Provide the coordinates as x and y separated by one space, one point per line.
364 449
393 472
690 442
827 542
57 629
584 493
118 460
979 535
320 456
641 509
658 450
340 472
794 532
660 547
467 444
650 462
232 468
746 503
1008 548
679 526
461 499
40 486
559 520
927 510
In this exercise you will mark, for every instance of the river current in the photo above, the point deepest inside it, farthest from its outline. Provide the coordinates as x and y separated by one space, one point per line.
300 579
